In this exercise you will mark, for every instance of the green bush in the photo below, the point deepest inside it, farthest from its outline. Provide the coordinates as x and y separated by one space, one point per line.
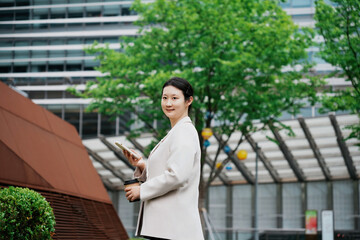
25 214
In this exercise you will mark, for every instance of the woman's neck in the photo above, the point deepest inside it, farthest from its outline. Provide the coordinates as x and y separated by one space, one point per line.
175 121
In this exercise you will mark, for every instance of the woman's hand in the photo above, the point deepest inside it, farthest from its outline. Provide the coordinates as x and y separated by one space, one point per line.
136 162
132 193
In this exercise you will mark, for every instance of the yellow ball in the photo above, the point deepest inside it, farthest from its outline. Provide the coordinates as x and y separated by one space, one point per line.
218 165
242 154
206 133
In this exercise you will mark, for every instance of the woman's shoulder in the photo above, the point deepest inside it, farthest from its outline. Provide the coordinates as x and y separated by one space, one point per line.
186 127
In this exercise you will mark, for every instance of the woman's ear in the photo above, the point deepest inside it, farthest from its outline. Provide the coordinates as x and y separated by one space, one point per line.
189 101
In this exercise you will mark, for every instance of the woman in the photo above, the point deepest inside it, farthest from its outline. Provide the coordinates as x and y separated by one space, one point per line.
169 192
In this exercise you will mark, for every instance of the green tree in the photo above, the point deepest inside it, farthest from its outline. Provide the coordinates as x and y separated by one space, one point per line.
339 25
233 53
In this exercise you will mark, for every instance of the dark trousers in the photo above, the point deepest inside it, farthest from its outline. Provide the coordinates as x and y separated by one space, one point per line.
154 238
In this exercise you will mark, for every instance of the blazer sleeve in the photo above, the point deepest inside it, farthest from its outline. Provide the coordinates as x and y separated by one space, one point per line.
178 169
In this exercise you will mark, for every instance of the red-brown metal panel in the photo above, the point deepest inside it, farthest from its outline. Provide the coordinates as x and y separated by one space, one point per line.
16 169
41 151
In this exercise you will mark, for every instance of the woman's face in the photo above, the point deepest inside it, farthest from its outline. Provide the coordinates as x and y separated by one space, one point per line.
173 103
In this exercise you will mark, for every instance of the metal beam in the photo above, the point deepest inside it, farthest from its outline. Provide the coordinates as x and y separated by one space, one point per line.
106 164
238 164
118 153
221 175
343 147
137 145
315 149
275 176
287 154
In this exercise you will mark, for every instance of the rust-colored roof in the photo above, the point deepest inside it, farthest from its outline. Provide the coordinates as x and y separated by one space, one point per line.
38 149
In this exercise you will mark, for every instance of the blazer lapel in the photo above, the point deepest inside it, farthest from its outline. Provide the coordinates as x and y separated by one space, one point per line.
184 120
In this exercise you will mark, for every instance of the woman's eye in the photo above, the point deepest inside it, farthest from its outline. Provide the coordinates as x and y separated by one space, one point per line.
164 98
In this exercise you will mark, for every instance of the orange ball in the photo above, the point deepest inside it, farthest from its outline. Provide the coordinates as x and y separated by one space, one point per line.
242 155
206 133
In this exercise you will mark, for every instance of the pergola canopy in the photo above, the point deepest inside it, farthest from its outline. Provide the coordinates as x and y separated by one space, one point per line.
318 151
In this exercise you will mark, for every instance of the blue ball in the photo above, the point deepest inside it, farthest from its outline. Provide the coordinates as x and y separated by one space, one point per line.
227 149
207 143
228 167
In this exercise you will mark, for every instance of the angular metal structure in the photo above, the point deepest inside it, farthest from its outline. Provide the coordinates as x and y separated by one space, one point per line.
40 151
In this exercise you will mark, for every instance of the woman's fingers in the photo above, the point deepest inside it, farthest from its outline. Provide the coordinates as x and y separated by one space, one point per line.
133 161
132 193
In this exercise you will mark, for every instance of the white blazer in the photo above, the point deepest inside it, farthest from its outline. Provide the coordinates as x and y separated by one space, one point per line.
170 192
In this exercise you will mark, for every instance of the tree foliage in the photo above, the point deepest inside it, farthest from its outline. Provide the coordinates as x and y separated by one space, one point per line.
242 58
339 25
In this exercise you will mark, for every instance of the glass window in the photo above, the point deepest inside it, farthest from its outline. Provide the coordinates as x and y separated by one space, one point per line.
90 64
58 1
285 4
111 40
75 12
217 207
57 54
7 3
54 94
41 2
75 53
89 124
38 54
292 205
57 12
36 94
21 54
74 41
78 1
39 43
22 15
22 2
6 55
55 81
53 67
38 67
93 11
5 68
73 66
56 109
72 114
305 112
111 10
285 116
40 13
316 193
20 68
125 10
7 15
267 206
301 3
343 195
242 206
108 125
6 27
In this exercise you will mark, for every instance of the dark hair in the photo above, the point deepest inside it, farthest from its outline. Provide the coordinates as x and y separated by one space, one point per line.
182 85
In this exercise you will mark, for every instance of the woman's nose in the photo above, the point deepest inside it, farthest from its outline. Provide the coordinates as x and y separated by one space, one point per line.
168 103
